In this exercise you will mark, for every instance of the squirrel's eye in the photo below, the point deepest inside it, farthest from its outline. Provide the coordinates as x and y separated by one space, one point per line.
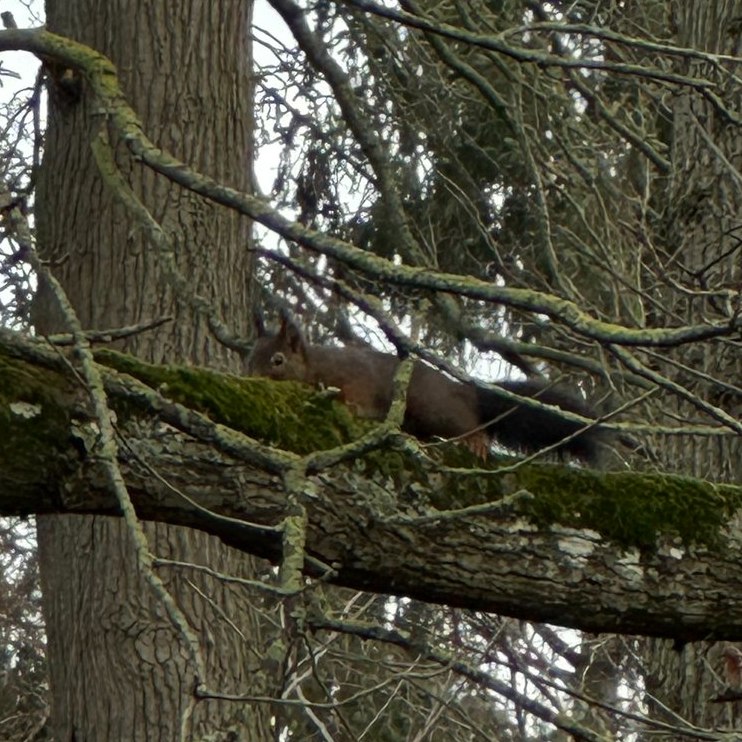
278 359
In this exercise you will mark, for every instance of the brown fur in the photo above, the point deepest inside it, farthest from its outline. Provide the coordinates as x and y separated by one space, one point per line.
437 406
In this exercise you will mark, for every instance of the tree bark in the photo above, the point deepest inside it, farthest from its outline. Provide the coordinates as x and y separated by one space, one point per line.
119 670
535 542
705 192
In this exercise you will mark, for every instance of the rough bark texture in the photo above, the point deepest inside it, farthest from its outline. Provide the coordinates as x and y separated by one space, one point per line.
532 557
119 671
705 191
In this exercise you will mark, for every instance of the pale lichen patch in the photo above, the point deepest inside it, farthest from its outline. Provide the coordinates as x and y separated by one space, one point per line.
26 410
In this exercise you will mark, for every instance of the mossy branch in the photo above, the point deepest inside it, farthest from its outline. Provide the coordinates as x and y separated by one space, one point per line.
542 542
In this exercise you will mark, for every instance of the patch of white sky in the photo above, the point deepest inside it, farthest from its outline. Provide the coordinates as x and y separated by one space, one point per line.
26 15
271 39
18 73
18 70
286 103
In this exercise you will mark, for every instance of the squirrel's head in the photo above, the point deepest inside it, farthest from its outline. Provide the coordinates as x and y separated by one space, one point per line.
280 356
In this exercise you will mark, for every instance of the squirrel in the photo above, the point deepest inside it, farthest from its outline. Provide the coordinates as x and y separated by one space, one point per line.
437 406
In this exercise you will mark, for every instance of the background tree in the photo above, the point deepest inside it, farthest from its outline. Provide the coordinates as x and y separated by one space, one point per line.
574 166
186 72
704 203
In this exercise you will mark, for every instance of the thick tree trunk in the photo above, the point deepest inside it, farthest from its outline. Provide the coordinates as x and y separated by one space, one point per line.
705 192
119 669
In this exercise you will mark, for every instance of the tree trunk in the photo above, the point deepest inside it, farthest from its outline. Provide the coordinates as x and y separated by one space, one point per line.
119 669
705 192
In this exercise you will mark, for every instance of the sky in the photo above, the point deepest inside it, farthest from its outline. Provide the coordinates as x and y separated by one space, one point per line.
21 62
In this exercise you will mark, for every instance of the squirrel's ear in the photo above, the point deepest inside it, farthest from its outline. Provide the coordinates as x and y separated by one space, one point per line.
295 338
258 324
291 335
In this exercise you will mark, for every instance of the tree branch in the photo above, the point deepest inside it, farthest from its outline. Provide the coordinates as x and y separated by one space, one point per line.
101 75
619 552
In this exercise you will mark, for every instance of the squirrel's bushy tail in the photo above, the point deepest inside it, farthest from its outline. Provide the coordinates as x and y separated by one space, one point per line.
520 426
